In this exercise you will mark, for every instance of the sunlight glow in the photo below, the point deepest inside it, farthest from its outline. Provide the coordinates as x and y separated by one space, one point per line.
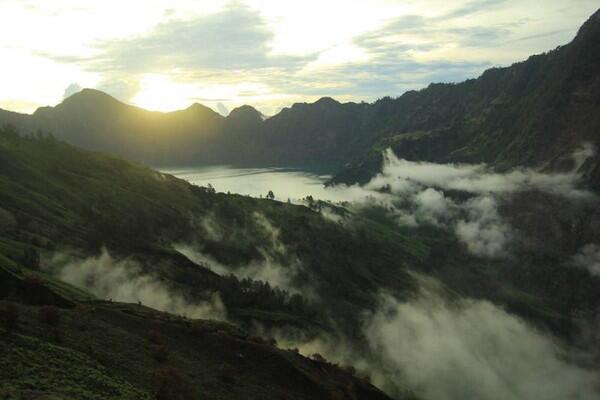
47 46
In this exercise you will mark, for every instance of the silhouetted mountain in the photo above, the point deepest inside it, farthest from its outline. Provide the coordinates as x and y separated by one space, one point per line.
532 113
97 121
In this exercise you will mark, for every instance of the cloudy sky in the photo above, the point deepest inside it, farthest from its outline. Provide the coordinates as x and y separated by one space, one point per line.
165 55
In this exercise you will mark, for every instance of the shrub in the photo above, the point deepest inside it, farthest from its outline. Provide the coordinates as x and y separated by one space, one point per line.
83 319
83 308
255 339
318 358
228 374
154 336
9 317
350 369
221 333
161 354
197 330
55 335
34 291
31 258
49 315
336 395
170 385
350 390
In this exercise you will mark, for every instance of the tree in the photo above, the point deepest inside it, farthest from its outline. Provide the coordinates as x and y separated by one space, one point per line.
31 258
170 385
49 315
270 195
10 131
9 317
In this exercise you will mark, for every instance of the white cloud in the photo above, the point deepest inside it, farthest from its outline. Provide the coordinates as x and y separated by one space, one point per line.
588 257
470 350
222 109
432 204
483 231
278 266
364 45
479 178
414 191
125 281
71 90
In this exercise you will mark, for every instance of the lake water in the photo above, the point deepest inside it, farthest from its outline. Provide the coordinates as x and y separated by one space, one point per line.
284 182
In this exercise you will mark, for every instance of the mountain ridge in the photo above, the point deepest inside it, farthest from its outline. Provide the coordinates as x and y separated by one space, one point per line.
532 113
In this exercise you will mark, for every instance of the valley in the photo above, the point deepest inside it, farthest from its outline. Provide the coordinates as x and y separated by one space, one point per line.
442 244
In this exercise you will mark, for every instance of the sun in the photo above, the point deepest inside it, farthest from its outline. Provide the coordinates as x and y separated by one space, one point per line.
160 93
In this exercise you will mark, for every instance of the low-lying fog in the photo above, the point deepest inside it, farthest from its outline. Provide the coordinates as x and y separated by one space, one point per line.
464 349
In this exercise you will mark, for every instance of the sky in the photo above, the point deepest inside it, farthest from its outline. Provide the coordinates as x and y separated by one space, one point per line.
166 55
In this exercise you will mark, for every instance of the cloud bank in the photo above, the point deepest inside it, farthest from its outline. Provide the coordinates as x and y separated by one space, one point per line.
278 266
470 350
588 257
424 193
124 280
71 90
234 38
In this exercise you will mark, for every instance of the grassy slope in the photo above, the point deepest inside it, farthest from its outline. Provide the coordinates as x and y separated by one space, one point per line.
55 197
533 113
60 197
105 350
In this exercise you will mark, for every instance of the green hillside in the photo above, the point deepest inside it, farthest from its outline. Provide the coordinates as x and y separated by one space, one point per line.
68 344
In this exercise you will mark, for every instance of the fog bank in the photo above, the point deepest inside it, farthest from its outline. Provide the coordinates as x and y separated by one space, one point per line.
125 281
470 350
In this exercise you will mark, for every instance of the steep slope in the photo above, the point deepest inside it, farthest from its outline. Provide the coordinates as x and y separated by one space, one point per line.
171 246
93 120
57 199
97 350
58 202
532 113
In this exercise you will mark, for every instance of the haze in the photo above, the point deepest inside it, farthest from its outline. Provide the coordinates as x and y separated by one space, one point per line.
166 55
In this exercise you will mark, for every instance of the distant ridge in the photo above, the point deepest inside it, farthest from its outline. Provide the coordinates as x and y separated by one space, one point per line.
532 113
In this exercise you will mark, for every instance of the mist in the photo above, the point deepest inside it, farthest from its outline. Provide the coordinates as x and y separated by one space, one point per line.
424 193
588 257
438 345
277 265
479 178
125 281
467 349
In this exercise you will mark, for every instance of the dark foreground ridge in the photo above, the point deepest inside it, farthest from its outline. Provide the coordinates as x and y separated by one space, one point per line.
58 341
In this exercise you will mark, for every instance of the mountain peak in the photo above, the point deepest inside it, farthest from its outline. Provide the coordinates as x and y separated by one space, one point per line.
245 113
197 107
591 28
327 101
89 93
90 97
84 99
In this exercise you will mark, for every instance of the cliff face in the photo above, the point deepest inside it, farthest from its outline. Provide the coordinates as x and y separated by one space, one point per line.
532 113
